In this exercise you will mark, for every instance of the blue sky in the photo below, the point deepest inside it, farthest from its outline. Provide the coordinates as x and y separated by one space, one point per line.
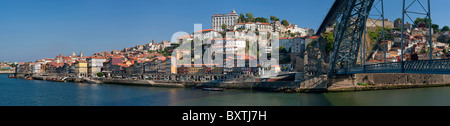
35 29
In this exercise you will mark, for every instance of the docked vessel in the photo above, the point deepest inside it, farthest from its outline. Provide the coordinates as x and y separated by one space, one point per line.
213 89
11 76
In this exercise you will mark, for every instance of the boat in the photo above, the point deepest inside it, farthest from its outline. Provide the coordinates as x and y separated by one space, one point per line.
29 78
10 76
213 89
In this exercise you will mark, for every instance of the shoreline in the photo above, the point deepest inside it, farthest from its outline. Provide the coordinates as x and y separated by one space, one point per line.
281 86
345 84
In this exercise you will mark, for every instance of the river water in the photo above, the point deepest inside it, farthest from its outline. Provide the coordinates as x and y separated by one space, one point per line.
20 92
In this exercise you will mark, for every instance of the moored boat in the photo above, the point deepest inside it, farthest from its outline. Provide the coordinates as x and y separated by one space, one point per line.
213 89
11 76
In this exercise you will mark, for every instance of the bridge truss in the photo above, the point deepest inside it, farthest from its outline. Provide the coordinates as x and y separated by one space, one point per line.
349 19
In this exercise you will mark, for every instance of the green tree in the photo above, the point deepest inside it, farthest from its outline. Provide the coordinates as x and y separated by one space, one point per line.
261 19
398 20
445 28
420 20
329 38
241 18
100 74
224 27
282 49
376 34
435 28
285 23
249 17
12 65
292 35
274 18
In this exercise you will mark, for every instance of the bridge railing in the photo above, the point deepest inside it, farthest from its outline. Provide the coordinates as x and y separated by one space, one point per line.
441 66
428 66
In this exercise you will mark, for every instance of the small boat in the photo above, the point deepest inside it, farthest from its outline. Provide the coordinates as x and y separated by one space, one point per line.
10 76
30 78
213 89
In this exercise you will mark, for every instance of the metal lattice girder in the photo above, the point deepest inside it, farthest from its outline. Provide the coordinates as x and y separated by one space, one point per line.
376 15
350 26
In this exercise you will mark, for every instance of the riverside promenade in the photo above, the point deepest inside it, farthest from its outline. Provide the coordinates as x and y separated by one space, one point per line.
345 83
6 72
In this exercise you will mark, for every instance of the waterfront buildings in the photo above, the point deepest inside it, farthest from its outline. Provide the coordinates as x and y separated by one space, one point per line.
150 59
81 68
95 65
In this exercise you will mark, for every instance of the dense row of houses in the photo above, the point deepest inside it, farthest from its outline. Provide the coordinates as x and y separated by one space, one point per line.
415 46
143 60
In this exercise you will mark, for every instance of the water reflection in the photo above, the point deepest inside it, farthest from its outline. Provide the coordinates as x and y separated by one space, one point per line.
19 92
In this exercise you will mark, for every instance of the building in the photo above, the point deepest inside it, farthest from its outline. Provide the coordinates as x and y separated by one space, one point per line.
95 65
81 68
35 68
374 23
229 19
166 44
253 26
207 34
276 26
286 43
184 38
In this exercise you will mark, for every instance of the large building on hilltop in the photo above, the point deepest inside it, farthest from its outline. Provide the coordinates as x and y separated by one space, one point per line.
229 19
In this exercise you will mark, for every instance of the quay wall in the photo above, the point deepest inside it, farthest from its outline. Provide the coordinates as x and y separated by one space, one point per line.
385 81
265 86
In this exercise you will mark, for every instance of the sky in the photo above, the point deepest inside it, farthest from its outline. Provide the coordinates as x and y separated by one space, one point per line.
36 29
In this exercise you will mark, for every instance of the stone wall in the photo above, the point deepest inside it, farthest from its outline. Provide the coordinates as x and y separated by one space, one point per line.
383 81
402 79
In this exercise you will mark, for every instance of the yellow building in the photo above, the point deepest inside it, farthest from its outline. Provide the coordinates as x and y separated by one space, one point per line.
196 70
81 68
216 70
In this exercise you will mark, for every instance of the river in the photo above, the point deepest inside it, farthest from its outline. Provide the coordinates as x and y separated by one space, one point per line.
20 92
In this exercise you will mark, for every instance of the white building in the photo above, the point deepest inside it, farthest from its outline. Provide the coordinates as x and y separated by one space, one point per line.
227 45
95 65
293 28
206 35
166 44
35 68
251 26
185 38
229 19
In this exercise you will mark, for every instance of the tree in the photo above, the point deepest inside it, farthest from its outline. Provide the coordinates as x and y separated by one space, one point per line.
241 18
435 28
329 38
398 20
274 18
285 23
100 74
423 20
261 19
282 49
445 28
12 65
249 17
224 27
292 35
